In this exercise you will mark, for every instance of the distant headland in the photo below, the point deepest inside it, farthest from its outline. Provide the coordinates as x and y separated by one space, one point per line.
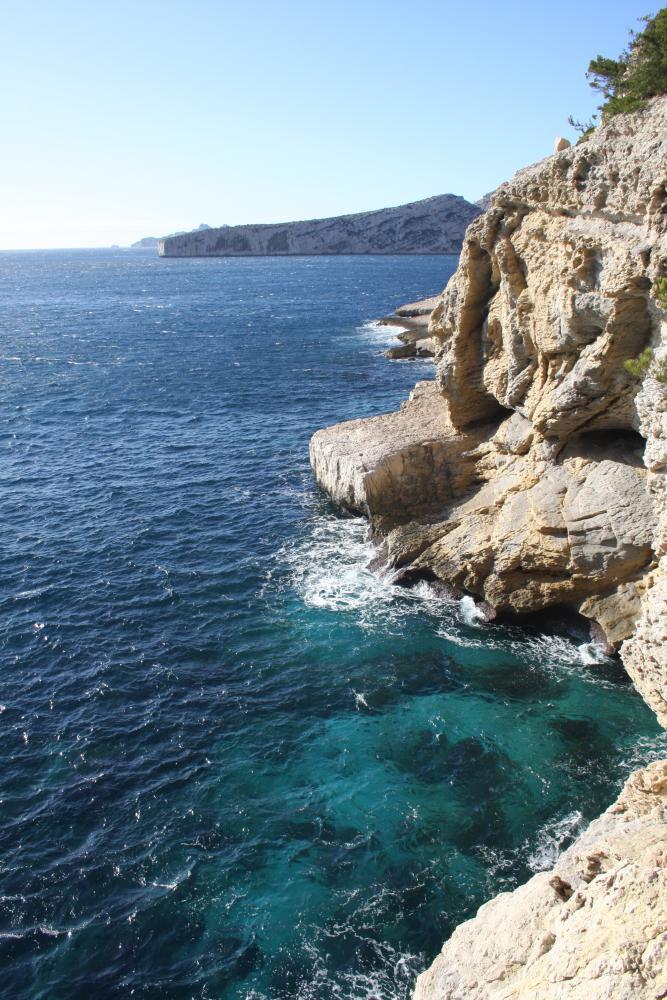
433 225
149 242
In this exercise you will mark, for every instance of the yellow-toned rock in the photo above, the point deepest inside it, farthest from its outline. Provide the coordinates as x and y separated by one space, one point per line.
593 928
532 473
536 463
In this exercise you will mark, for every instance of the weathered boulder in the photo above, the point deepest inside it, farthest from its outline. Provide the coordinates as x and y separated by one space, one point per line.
561 143
402 352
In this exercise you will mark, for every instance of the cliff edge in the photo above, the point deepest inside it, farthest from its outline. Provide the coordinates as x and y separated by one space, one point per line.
595 928
531 473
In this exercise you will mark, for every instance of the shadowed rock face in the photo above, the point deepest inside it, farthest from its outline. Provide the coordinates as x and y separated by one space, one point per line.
531 473
435 225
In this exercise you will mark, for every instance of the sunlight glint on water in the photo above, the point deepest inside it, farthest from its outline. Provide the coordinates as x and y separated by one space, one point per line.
235 762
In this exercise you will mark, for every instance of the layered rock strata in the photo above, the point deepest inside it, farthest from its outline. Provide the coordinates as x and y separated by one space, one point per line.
531 474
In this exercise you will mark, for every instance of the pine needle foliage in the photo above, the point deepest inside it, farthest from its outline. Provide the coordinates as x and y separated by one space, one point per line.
639 73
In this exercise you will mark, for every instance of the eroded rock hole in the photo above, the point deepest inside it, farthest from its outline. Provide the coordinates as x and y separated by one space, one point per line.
620 444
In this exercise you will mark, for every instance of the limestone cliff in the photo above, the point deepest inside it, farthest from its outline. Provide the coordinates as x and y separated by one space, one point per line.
595 928
531 474
434 225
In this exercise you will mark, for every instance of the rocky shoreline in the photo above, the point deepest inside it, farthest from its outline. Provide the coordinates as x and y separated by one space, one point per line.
413 320
531 475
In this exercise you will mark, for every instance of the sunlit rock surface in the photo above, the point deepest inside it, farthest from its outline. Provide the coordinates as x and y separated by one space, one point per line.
531 474
434 225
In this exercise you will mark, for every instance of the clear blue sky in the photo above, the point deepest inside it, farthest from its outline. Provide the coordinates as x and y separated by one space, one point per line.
124 119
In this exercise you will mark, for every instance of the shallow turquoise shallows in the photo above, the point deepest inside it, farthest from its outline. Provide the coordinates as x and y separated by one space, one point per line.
234 763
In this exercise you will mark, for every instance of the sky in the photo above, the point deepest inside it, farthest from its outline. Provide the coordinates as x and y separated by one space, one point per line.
127 119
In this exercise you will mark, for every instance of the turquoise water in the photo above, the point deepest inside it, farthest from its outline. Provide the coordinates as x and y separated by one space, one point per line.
234 763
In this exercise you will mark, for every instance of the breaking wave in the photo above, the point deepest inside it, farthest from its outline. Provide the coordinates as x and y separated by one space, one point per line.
329 567
553 838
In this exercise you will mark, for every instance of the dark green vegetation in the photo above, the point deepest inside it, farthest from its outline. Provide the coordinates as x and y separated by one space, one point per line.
640 365
660 292
640 72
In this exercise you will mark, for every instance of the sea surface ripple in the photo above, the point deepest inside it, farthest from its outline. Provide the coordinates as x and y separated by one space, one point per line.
235 764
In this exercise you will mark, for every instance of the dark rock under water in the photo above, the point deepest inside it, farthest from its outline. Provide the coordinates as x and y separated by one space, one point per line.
235 763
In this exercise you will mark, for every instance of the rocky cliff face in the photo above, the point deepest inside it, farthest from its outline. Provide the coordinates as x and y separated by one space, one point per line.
435 225
531 473
595 928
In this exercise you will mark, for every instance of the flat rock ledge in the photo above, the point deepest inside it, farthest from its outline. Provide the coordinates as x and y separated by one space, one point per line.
394 465
413 319
593 928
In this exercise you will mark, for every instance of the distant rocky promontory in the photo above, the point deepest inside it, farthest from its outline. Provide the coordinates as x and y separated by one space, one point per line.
412 320
434 225
150 242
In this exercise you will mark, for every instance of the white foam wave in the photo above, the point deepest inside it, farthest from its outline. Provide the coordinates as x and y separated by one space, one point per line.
535 650
452 634
470 613
592 654
553 838
642 751
328 568
380 332
53 931
359 699
393 977
331 569
423 591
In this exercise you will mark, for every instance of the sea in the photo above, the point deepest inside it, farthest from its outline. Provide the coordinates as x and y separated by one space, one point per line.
234 763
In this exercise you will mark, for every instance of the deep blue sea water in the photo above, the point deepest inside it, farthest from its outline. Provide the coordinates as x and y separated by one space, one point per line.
233 763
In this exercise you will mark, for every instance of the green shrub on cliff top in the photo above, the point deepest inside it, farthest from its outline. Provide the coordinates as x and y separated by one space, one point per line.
639 73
